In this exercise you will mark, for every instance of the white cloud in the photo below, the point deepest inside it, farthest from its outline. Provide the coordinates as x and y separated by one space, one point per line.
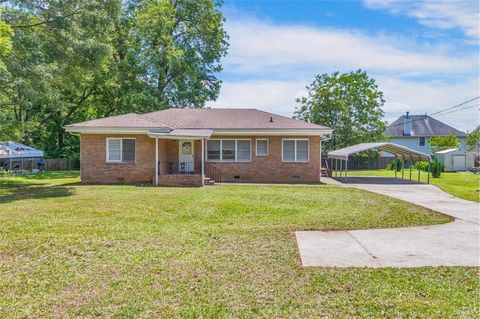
269 65
438 14
400 95
261 47
429 97
269 95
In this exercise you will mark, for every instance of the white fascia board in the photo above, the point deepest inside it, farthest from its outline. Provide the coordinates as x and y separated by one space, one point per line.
175 137
110 130
272 132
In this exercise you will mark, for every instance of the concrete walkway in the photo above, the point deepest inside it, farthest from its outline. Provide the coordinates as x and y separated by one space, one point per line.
453 244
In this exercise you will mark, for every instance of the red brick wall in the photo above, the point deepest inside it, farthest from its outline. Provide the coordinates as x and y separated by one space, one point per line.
95 169
271 168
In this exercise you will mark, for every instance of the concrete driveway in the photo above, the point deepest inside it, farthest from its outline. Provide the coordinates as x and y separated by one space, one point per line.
453 244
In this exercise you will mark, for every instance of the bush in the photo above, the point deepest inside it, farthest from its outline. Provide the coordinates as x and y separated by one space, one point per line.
422 165
4 172
436 168
396 163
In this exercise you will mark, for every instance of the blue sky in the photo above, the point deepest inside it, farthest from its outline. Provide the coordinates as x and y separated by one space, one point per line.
424 54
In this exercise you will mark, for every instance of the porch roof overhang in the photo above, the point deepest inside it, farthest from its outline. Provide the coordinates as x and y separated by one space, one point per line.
395 149
193 134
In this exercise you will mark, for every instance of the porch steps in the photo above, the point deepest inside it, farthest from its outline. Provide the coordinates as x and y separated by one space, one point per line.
324 172
208 181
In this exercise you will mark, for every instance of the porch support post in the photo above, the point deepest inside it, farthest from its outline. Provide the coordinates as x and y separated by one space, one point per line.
156 161
320 156
203 162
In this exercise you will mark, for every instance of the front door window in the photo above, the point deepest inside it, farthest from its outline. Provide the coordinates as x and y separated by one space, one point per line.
185 159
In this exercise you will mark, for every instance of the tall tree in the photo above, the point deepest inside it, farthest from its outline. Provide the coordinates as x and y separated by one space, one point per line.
5 43
350 103
77 60
166 54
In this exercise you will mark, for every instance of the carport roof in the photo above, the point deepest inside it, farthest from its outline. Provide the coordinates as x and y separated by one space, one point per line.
395 149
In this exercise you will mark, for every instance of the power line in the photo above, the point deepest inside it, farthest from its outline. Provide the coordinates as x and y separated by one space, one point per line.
452 107
463 108
422 117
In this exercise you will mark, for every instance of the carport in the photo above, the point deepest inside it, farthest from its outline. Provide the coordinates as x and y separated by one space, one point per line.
340 157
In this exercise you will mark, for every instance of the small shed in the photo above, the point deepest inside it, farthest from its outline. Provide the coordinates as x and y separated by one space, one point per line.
455 160
19 157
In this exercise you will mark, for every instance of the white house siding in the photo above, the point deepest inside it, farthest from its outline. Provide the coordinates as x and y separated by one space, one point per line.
412 142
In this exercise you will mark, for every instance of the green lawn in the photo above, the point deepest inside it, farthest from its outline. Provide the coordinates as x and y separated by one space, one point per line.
465 185
69 250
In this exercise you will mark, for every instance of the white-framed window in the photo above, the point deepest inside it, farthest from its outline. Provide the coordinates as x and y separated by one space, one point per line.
421 141
261 147
295 150
229 150
120 150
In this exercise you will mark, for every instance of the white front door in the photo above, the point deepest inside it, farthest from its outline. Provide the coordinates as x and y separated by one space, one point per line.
185 157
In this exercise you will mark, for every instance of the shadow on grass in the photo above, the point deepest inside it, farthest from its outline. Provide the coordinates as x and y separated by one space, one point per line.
51 175
11 191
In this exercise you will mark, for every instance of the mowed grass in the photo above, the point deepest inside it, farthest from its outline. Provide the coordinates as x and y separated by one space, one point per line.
465 185
69 250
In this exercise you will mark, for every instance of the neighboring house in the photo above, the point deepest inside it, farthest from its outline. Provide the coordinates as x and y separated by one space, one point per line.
415 131
179 146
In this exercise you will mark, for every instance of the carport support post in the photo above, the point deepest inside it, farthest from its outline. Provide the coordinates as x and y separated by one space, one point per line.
396 165
346 169
411 164
341 166
403 165
428 176
418 169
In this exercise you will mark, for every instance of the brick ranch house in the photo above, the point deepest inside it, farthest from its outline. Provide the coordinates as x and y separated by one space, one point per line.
199 146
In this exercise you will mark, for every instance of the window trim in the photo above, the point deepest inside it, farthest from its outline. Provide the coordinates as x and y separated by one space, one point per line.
236 150
256 146
295 150
121 150
424 141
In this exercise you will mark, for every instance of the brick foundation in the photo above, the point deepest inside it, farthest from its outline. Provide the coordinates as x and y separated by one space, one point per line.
180 180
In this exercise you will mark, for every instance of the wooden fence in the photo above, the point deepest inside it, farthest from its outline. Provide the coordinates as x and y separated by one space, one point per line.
51 164
359 163
58 164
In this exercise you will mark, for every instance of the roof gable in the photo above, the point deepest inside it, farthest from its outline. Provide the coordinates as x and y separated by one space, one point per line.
422 126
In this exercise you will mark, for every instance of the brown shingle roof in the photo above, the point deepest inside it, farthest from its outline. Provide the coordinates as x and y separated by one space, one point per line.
125 120
227 119
185 118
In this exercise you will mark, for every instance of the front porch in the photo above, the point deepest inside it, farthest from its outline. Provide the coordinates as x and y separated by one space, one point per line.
180 159
187 174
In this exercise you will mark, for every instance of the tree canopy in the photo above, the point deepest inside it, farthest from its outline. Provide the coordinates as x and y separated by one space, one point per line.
67 61
473 139
350 103
440 143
